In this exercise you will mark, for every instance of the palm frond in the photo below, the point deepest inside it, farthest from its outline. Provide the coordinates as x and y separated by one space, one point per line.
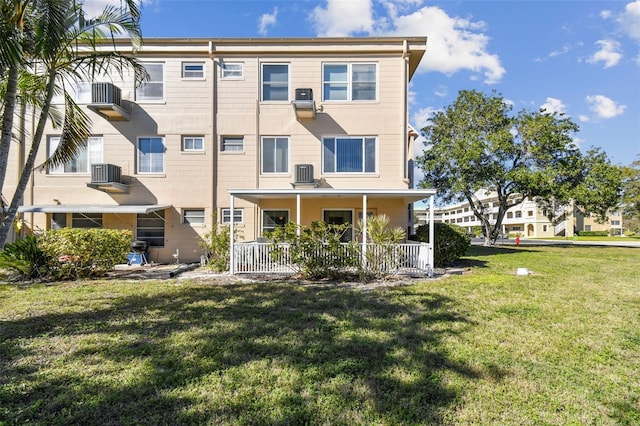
75 131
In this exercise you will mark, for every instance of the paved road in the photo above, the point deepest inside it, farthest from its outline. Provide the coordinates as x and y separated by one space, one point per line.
533 242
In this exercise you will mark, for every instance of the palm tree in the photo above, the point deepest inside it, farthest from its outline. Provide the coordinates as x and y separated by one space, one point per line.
62 47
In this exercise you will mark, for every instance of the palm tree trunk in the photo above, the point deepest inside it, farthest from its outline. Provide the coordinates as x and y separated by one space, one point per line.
29 164
7 122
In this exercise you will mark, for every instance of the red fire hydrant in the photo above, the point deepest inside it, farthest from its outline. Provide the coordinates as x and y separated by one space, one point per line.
517 240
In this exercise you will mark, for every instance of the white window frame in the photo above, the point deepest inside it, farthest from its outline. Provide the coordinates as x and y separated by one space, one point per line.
364 139
230 73
193 216
264 83
140 92
225 216
263 153
233 142
349 83
139 159
193 74
94 152
193 139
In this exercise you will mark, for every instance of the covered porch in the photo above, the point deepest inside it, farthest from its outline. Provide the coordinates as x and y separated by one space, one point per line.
302 206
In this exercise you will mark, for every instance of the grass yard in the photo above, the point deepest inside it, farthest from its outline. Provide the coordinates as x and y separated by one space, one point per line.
560 346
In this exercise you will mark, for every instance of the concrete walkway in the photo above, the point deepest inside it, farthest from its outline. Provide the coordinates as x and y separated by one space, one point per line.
533 242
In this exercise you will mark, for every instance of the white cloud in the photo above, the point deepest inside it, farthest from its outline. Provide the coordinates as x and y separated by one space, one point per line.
454 44
583 118
267 20
629 20
343 18
421 117
554 105
604 107
609 53
441 91
93 8
565 49
606 14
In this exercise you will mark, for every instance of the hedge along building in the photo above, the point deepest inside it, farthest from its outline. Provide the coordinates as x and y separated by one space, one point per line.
247 132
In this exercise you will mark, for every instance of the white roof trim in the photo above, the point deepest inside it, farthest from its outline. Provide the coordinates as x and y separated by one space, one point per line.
253 194
72 208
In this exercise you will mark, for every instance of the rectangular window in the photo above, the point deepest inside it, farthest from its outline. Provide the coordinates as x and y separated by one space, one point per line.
86 220
193 216
518 214
193 143
88 153
349 82
150 228
615 222
232 70
340 217
273 218
238 215
275 82
151 155
58 220
509 215
530 213
232 144
193 70
275 155
153 89
349 155
544 228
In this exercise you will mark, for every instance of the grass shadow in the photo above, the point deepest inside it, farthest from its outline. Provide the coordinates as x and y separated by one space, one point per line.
243 354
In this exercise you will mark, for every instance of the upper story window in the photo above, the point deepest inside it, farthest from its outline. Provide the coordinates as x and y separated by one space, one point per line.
88 153
192 143
275 155
150 155
232 70
232 144
153 89
275 82
349 82
193 70
347 154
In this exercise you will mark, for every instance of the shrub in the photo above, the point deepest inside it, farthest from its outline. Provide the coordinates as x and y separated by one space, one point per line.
317 252
79 253
216 245
593 233
451 242
383 256
25 257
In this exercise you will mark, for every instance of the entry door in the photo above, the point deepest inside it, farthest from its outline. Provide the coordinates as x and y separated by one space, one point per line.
338 217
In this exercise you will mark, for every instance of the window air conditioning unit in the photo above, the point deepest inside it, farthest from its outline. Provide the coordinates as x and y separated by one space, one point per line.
304 173
105 173
304 94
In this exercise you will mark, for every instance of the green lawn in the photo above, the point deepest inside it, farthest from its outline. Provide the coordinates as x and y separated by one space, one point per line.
560 346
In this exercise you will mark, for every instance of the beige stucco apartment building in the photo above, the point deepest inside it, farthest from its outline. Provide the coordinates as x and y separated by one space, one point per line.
247 132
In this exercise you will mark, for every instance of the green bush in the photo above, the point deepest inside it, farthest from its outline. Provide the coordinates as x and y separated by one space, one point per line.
216 244
79 253
317 252
593 233
25 257
452 242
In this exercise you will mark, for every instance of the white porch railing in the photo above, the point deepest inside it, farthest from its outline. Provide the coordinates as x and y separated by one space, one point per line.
409 258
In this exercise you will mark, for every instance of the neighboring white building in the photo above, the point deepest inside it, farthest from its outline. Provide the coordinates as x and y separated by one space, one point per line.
525 219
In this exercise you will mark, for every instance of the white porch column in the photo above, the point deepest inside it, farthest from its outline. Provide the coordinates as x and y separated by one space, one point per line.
231 239
298 215
364 231
432 242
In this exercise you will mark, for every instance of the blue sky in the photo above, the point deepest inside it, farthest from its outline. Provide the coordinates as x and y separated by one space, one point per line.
581 58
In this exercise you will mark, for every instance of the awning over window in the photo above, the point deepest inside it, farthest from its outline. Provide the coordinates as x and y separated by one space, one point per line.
82 208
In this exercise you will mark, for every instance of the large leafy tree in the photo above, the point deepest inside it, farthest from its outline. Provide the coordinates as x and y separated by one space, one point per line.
52 42
476 146
631 196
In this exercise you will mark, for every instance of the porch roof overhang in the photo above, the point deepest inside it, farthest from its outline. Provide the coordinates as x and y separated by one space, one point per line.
255 195
87 208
